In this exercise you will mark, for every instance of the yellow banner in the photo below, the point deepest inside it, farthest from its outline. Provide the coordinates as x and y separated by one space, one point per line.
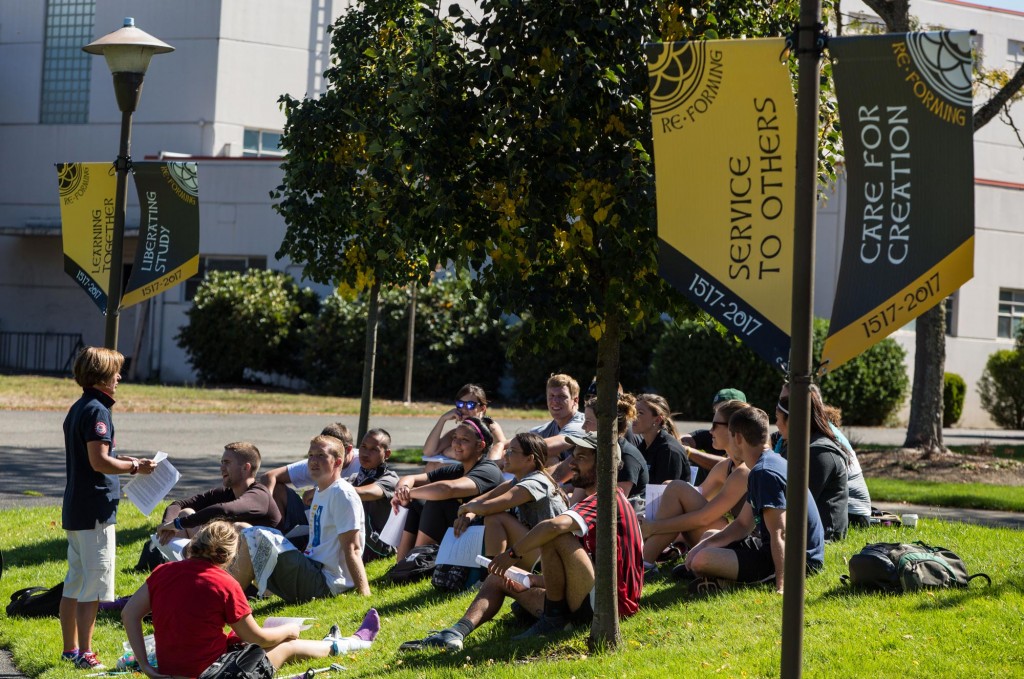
929 289
724 123
165 282
87 225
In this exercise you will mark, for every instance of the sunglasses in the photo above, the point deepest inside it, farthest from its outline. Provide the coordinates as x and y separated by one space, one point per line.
466 405
716 423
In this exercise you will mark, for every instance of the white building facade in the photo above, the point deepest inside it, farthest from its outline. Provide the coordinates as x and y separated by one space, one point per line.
214 100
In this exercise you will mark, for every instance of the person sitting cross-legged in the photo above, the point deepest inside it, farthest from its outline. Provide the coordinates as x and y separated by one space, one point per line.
561 596
753 547
514 507
332 561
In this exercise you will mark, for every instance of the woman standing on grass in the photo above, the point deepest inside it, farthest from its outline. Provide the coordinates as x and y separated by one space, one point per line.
90 501
192 600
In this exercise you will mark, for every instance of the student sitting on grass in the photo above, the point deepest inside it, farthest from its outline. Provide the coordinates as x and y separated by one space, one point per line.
513 508
753 547
560 598
693 511
434 498
471 401
191 602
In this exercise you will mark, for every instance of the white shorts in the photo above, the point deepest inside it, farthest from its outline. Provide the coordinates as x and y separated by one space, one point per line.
91 564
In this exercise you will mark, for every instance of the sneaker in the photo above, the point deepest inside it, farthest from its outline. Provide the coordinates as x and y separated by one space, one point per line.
706 587
651 572
70 656
87 660
335 633
446 639
681 572
522 616
545 626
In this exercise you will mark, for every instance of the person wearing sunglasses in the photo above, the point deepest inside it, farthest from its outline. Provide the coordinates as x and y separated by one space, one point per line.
471 401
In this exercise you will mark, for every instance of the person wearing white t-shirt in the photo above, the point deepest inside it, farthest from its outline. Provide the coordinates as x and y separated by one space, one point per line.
332 561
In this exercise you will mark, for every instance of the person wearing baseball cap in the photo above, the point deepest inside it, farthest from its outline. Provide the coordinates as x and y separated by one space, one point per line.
698 444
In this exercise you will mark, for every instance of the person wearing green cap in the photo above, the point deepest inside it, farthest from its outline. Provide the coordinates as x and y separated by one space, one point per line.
699 445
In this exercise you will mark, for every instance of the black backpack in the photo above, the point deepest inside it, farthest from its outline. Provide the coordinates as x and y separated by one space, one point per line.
247 661
903 567
36 602
417 565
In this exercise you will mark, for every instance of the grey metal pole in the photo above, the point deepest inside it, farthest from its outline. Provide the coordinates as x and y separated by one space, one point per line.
127 89
809 64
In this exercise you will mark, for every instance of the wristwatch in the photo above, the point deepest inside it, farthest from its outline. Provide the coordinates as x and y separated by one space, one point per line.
135 467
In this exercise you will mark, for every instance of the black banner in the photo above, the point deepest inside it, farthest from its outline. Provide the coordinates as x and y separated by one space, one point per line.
906 112
168 248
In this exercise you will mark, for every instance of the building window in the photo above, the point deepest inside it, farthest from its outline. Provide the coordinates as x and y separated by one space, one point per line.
951 314
209 263
1015 53
261 143
66 68
1011 312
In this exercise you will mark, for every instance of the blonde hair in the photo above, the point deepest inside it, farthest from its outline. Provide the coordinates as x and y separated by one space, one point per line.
216 542
333 445
625 409
97 365
563 380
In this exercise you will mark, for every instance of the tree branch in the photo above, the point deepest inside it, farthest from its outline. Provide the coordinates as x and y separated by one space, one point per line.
895 13
999 100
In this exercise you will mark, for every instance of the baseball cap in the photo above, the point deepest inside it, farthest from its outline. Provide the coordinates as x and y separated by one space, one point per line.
729 394
587 440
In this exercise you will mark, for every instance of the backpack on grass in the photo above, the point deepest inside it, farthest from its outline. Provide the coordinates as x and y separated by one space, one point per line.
417 565
36 602
903 567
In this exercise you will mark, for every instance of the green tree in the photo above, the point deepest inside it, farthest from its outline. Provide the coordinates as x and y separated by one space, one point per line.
564 177
367 191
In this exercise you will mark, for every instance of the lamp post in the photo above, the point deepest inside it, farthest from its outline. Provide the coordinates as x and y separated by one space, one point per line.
127 51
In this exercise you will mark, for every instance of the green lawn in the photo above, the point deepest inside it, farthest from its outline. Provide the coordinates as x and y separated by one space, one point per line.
938 634
966 495
31 392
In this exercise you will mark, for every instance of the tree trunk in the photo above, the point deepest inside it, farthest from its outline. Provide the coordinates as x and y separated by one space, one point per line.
925 428
410 345
604 632
369 359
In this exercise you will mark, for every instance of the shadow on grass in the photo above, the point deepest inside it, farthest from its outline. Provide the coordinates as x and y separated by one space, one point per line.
37 553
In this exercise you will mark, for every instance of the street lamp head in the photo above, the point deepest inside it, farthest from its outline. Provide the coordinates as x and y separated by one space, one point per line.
128 49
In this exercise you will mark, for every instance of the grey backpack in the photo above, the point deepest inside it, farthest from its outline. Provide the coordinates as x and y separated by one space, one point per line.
904 567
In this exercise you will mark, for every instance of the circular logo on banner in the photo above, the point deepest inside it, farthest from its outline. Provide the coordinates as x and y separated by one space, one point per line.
70 177
676 72
186 176
100 428
944 60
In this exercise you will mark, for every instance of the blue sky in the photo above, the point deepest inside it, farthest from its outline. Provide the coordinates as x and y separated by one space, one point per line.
1004 4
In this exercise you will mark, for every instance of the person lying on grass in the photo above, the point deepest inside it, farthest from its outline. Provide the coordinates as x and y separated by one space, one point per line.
514 507
434 498
694 511
753 547
191 602
561 598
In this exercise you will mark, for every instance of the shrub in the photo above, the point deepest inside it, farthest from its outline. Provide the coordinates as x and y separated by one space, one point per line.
870 388
532 363
953 391
457 341
1001 388
251 320
694 359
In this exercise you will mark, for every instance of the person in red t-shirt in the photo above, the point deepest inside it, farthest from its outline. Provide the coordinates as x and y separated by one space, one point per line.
193 600
561 597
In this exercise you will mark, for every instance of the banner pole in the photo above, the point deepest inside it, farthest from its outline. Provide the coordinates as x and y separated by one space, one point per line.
809 49
117 245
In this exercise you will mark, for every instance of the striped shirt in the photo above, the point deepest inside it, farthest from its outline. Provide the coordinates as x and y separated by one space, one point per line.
629 571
